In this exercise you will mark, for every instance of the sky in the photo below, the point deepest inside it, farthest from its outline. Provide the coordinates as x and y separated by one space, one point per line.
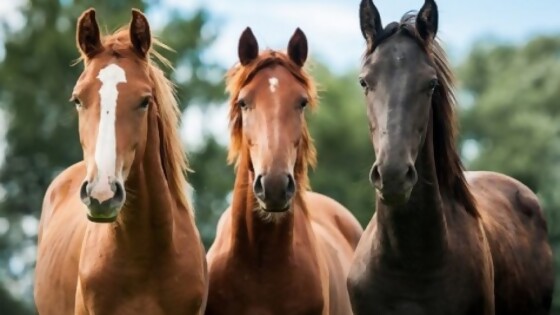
333 32
332 26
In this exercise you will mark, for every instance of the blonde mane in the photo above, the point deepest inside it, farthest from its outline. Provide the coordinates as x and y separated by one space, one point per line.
174 160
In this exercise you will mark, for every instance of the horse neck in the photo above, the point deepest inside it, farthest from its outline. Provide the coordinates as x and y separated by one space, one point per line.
254 236
149 217
414 234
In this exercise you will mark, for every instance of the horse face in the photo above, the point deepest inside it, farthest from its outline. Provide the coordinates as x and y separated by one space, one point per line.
398 78
272 113
112 97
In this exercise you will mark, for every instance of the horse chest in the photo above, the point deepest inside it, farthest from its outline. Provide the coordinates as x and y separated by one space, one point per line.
379 293
161 291
387 292
282 289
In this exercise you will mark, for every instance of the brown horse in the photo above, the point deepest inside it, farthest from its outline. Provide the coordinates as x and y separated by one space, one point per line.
280 249
441 241
140 251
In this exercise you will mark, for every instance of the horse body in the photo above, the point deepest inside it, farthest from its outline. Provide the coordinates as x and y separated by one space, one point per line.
442 241
146 257
428 256
131 276
513 244
309 263
279 249
517 235
151 263
331 222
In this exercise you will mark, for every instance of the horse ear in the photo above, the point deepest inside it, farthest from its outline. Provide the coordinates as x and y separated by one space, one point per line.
88 38
248 47
427 20
140 34
297 47
370 22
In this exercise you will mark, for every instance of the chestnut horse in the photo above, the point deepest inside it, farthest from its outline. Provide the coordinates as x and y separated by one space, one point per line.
442 241
117 233
279 249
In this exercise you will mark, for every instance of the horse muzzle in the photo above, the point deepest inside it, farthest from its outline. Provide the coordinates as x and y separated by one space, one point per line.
104 202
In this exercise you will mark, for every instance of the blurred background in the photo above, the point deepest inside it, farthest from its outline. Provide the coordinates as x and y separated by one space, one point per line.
506 57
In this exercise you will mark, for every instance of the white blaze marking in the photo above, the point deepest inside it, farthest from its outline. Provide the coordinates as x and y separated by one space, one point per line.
273 84
273 81
106 146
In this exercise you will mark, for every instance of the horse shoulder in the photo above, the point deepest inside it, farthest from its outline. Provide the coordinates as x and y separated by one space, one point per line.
217 260
336 231
334 217
60 236
222 241
363 254
58 191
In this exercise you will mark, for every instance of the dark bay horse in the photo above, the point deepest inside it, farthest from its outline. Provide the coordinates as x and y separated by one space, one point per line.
442 241
279 249
117 232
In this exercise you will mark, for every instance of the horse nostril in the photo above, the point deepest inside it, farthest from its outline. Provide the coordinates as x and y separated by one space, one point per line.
119 192
375 176
410 175
85 191
258 187
291 187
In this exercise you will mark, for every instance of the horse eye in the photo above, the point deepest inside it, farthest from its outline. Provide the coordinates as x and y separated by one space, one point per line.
433 83
304 103
363 83
241 103
145 103
76 101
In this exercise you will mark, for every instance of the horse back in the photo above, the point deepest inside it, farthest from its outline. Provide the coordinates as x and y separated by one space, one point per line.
337 234
335 218
517 234
61 231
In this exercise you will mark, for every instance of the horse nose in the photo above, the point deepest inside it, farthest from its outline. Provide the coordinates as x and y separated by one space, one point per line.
274 191
393 177
85 191
118 197
291 188
374 176
102 200
258 188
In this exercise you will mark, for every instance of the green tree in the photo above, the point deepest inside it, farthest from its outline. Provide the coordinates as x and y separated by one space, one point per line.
512 124
212 180
344 150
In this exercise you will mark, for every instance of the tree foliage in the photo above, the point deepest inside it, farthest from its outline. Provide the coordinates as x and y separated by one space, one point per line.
344 150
